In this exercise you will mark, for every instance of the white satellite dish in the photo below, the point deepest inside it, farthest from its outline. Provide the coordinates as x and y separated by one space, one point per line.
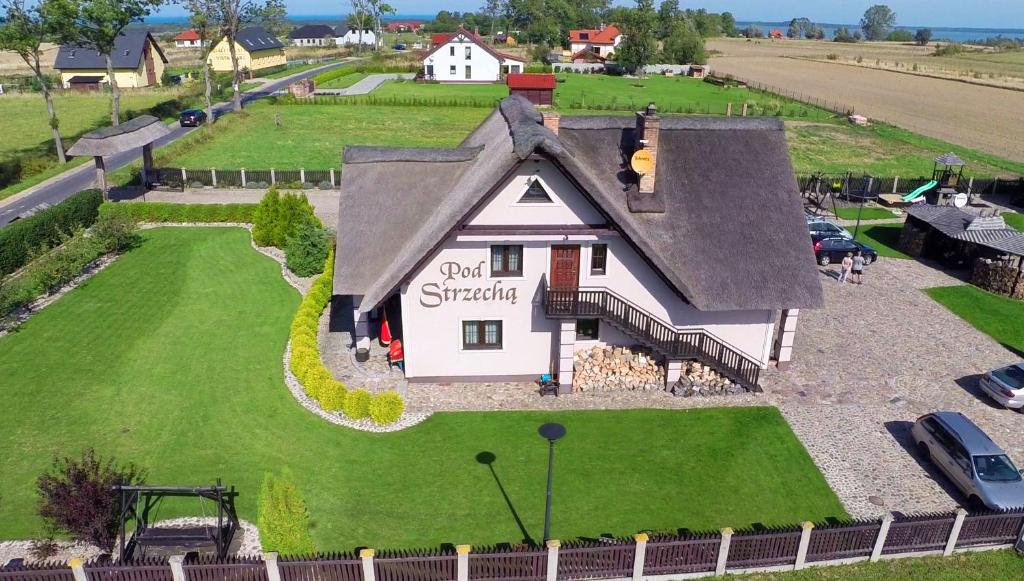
960 200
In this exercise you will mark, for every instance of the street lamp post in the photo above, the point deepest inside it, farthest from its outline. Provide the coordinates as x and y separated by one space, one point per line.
551 432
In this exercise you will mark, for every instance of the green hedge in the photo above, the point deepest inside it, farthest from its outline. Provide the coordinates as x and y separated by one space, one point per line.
283 518
21 240
317 381
165 212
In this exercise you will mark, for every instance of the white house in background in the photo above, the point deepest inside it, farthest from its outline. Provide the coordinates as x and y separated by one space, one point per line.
601 41
350 37
188 39
465 58
312 35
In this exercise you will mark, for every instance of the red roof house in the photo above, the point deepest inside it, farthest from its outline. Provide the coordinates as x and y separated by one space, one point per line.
187 38
539 88
602 41
440 38
404 25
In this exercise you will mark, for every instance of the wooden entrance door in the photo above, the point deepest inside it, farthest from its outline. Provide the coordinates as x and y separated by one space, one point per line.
565 266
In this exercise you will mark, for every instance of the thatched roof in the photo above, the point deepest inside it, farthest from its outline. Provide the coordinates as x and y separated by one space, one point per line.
128 135
732 236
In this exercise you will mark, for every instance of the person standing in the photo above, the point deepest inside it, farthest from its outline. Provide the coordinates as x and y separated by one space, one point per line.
858 267
845 266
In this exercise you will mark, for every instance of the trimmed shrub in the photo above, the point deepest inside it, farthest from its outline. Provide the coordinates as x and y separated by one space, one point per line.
357 404
334 396
386 408
156 212
279 217
52 269
283 518
116 232
265 218
18 241
307 249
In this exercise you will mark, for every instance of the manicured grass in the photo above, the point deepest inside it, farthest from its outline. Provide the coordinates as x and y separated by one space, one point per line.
342 82
984 566
997 316
292 70
485 92
884 238
865 214
182 375
312 136
1014 220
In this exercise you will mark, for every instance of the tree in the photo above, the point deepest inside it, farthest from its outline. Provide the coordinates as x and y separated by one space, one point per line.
233 16
306 250
843 35
728 23
753 31
923 36
877 21
96 25
668 14
800 27
204 18
360 17
684 45
378 8
282 516
273 16
493 8
639 46
23 31
77 497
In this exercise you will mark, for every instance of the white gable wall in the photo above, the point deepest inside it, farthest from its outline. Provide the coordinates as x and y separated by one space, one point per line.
449 62
433 326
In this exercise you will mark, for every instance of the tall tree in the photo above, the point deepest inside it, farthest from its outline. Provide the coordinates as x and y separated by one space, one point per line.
233 16
378 9
23 30
493 8
273 16
684 45
204 18
97 24
639 46
360 17
877 21
923 36
728 23
668 13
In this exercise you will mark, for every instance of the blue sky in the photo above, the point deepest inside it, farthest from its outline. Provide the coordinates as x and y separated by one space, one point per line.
955 13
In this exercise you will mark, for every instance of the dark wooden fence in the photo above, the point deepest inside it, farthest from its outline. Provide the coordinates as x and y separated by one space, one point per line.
179 178
871 186
663 555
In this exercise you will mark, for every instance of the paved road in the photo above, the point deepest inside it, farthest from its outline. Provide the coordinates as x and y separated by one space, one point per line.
82 177
365 86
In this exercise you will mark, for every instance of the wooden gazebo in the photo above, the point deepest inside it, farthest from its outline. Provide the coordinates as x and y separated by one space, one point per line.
139 132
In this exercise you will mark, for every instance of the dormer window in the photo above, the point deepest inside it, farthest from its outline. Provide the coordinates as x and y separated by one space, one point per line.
584 36
536 193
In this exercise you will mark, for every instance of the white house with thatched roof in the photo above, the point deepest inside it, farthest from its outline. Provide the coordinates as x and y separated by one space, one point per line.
535 239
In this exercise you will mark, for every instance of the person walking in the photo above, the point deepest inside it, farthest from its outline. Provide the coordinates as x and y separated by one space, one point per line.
845 266
858 267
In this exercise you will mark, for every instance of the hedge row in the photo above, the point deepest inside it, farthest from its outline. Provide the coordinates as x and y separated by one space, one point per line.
165 212
27 237
315 378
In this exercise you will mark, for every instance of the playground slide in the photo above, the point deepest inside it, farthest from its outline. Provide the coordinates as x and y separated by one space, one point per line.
919 191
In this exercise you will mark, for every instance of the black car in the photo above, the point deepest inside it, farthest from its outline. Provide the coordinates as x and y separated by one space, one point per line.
832 250
192 118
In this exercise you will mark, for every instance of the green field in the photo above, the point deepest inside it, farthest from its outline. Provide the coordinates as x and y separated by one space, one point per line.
183 376
985 566
342 82
884 238
1015 220
293 70
997 316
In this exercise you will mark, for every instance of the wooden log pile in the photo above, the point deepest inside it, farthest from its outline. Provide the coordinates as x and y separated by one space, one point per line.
605 368
701 380
998 277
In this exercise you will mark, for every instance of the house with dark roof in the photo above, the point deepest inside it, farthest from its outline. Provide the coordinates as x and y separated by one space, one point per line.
464 57
541 236
601 41
137 60
255 48
313 35
957 237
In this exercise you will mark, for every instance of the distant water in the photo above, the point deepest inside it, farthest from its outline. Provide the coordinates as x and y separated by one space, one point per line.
938 33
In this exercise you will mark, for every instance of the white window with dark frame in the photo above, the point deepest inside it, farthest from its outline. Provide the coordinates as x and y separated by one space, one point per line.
587 329
507 260
469 72
481 335
598 259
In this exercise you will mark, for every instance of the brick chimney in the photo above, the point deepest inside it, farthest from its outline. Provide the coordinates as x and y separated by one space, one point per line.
648 125
551 120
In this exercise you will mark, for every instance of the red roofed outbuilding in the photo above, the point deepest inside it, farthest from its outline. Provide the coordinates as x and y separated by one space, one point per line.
539 88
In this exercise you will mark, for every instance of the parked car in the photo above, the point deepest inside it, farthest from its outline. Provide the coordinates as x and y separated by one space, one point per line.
821 227
1006 386
829 250
174 79
971 460
399 46
192 118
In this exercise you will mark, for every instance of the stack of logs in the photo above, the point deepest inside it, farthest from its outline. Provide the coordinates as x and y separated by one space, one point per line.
616 368
701 380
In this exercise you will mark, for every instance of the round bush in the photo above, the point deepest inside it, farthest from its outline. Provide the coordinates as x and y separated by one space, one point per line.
386 408
357 404
333 395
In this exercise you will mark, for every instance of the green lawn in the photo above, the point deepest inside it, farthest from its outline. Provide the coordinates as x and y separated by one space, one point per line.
171 358
884 238
292 70
1014 220
342 82
983 566
865 214
997 316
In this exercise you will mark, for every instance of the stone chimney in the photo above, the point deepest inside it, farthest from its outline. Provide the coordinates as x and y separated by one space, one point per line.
648 125
551 120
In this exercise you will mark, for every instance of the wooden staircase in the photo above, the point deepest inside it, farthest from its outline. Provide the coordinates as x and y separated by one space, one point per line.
691 344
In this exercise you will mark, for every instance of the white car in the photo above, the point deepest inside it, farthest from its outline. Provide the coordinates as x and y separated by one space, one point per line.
822 228
1006 386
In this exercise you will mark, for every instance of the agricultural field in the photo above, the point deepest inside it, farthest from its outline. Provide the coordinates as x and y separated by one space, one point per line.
973 116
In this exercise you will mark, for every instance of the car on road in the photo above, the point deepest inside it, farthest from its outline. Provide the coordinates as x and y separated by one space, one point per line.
400 46
821 227
1006 386
831 250
973 462
192 118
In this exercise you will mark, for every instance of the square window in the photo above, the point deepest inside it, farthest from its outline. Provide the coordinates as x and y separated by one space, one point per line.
451 70
599 259
587 329
507 260
481 334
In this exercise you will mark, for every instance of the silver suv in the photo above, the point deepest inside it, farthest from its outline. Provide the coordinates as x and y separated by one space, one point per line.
975 464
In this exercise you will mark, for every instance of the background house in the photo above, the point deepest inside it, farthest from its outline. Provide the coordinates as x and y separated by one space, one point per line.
137 59
255 48
405 25
312 35
349 36
601 41
188 39
465 58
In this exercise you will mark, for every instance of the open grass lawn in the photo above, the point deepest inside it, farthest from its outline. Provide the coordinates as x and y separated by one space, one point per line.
999 317
884 238
342 82
984 566
1014 220
171 358
865 214
485 92
292 70
312 136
